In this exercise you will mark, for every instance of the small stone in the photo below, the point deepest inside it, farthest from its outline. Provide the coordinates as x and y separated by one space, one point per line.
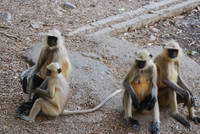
37 25
180 17
151 12
152 38
125 34
67 5
92 5
5 16
155 30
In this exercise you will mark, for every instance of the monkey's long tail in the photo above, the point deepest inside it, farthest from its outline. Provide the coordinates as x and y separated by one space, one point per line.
66 112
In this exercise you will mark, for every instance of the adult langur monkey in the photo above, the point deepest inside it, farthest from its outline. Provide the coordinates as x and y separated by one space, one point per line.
170 82
53 99
141 90
53 51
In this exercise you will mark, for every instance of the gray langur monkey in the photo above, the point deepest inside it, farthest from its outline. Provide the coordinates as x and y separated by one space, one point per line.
141 90
171 88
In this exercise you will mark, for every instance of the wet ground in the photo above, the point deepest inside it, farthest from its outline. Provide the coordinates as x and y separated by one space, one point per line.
96 73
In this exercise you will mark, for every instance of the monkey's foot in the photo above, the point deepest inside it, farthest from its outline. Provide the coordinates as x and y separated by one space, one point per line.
196 120
26 118
135 123
155 128
180 119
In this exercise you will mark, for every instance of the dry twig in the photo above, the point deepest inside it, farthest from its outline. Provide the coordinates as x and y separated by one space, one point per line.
8 35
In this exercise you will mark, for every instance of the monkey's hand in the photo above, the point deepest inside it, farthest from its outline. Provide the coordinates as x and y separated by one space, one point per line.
186 98
196 120
155 128
135 123
192 99
136 103
148 103
29 80
130 90
151 103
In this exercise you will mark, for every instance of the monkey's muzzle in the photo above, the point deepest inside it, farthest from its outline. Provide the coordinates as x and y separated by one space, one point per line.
172 53
51 41
141 63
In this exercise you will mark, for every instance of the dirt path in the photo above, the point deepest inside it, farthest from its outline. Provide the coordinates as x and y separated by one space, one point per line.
32 17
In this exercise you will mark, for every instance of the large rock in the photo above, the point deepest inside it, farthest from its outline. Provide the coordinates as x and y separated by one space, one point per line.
88 77
121 54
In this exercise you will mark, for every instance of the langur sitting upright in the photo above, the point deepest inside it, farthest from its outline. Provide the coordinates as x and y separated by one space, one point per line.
141 90
53 51
170 83
52 100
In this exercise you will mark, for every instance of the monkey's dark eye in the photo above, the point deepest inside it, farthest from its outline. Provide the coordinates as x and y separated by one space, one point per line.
150 55
59 70
48 72
141 63
172 53
52 41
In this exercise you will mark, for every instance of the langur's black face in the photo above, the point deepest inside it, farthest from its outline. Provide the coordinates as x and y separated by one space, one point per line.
48 73
172 53
140 63
51 41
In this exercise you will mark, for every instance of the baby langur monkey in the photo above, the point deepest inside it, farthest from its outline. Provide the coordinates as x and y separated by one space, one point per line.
53 51
170 83
141 90
53 99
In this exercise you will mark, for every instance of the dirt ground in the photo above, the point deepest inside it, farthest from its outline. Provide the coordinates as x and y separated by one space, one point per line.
29 18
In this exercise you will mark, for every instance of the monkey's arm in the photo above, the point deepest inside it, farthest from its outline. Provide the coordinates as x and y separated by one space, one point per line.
154 90
184 86
44 92
178 89
175 87
36 69
129 88
41 60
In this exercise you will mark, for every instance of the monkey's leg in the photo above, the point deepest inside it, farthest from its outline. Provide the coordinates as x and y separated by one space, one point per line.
41 105
174 86
163 97
25 73
191 111
156 123
192 115
127 104
174 109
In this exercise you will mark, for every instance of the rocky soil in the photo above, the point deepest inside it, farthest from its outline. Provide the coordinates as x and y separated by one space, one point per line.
22 24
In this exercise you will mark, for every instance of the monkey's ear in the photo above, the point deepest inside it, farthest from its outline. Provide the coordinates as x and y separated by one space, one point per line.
150 55
163 45
59 70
